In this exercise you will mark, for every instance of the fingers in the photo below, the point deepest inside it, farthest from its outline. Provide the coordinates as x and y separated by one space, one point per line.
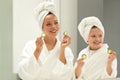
113 53
39 43
39 46
112 56
66 39
80 61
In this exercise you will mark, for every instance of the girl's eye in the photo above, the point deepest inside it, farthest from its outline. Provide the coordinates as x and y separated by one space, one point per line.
100 35
93 36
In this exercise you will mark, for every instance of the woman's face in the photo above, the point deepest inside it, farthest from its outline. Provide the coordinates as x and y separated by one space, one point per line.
95 38
51 25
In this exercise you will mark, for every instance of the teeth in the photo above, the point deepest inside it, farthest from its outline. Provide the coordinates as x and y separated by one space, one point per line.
97 42
53 31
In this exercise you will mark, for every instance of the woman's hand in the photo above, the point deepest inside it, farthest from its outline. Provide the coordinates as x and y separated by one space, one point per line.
66 41
39 46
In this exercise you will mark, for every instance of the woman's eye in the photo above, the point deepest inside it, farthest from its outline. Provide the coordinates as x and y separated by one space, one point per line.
56 22
48 24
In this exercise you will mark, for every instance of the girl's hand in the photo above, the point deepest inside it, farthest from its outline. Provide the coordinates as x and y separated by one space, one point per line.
80 62
78 69
111 56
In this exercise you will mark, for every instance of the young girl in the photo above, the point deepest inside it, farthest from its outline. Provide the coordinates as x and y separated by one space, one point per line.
46 58
96 61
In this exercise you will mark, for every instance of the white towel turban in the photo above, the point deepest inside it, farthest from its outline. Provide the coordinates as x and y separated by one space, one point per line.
42 10
86 24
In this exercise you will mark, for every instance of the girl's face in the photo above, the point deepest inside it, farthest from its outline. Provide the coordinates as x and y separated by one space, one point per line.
95 38
51 25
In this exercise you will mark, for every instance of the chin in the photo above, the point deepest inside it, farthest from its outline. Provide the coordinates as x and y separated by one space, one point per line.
98 47
53 36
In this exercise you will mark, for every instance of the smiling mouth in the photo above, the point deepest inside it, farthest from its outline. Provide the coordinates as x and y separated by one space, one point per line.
97 43
53 31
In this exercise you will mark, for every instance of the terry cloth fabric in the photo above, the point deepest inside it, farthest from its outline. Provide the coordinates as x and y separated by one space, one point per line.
86 24
42 10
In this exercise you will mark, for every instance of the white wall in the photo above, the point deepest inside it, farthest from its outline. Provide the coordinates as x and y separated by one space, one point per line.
68 16
6 40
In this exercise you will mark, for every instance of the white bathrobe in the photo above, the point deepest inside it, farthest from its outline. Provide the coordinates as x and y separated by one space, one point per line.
95 64
48 67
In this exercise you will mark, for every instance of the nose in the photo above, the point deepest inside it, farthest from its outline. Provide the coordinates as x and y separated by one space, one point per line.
54 26
97 38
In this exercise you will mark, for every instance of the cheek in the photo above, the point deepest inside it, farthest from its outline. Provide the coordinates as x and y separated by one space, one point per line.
43 28
90 40
102 39
58 28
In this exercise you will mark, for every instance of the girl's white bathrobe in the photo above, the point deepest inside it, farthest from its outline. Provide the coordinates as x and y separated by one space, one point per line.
95 64
48 67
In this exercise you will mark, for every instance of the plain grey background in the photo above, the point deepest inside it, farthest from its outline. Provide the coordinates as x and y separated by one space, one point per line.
107 10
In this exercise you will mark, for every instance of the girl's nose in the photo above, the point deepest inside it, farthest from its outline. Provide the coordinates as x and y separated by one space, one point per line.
97 38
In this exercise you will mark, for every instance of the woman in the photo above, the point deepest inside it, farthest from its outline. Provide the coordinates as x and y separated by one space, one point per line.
46 58
96 61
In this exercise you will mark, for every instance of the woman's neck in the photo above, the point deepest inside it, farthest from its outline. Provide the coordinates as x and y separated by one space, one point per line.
50 42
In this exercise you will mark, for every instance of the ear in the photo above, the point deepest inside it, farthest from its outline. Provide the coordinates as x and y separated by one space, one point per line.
87 42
